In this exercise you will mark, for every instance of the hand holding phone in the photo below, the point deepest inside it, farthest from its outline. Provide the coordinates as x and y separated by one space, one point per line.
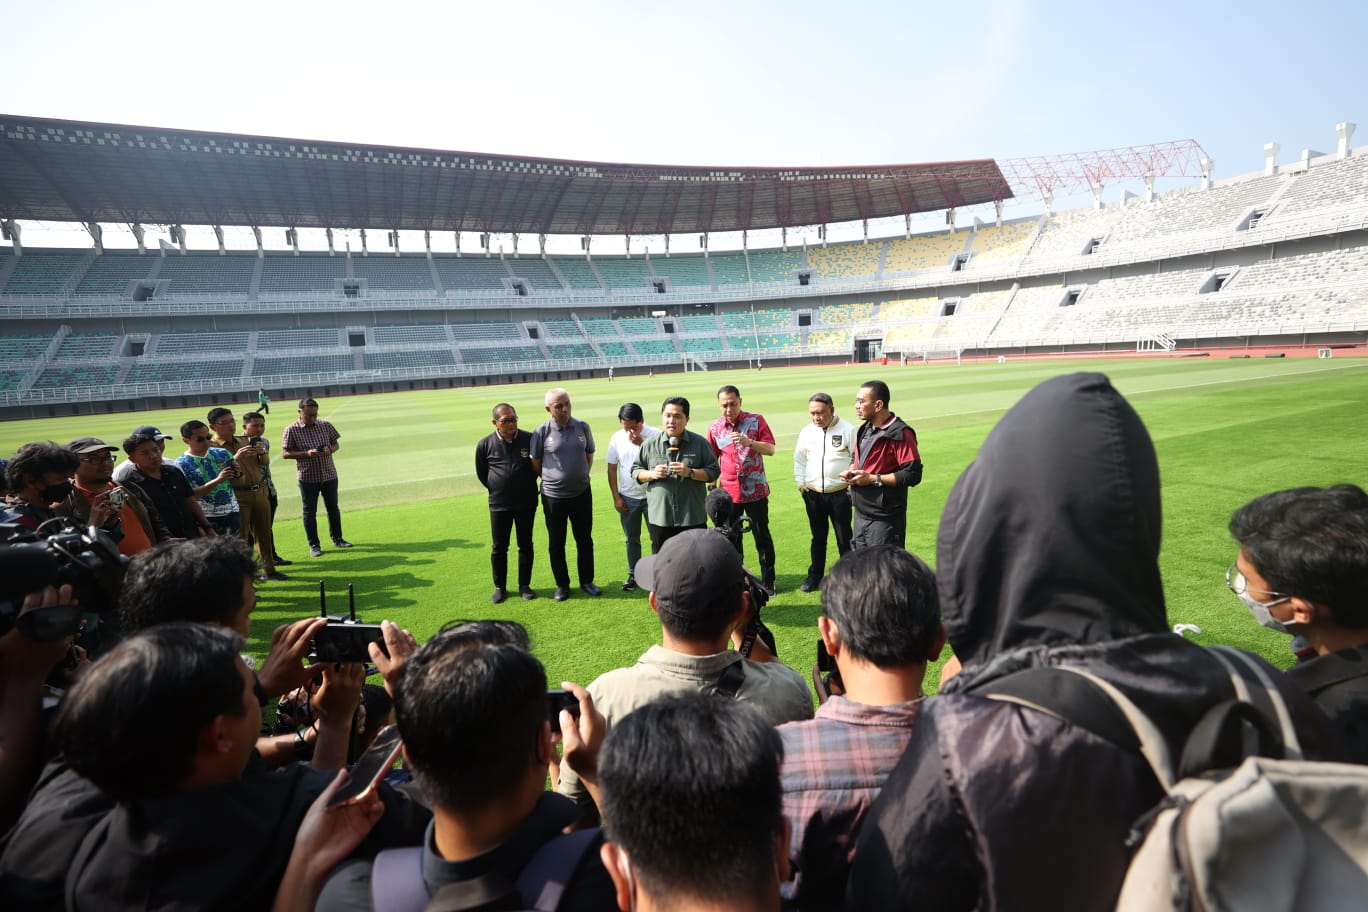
374 764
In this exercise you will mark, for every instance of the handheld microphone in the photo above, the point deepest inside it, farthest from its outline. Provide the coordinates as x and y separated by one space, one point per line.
673 451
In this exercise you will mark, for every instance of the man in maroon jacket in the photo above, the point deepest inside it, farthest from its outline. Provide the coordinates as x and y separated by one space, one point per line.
886 463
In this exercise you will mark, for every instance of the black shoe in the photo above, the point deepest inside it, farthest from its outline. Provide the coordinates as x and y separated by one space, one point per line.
562 593
275 575
280 561
341 543
527 593
630 585
769 589
499 595
809 584
590 589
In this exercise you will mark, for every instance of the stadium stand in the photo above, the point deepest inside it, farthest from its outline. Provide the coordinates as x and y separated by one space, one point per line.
510 354
26 348
614 350
11 380
1329 185
111 274
774 265
86 348
471 273
485 331
923 251
638 326
399 335
1192 210
653 347
702 346
562 329
830 340
845 314
164 372
578 272
858 260
172 344
45 273
729 268
699 323
537 273
278 339
1068 234
567 351
304 274
683 271
618 272
404 360
303 364
391 273
67 376
206 273
993 244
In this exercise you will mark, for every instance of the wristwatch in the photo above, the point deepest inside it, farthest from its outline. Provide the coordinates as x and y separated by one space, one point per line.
878 481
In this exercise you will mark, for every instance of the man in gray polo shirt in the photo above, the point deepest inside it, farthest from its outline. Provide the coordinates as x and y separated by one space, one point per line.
562 454
698 590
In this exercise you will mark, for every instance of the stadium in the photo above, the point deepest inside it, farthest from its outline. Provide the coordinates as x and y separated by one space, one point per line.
1274 262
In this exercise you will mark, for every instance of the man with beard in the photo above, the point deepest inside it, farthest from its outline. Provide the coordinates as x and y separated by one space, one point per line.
127 514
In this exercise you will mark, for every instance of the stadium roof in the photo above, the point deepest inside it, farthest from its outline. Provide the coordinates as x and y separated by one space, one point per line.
58 170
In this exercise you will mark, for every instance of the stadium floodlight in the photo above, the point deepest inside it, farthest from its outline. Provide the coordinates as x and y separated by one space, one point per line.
331 250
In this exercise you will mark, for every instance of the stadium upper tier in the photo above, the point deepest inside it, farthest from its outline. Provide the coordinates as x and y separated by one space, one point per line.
1281 256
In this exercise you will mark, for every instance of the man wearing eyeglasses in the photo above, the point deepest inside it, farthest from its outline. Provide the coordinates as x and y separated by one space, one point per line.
125 513
1302 570
210 471
503 463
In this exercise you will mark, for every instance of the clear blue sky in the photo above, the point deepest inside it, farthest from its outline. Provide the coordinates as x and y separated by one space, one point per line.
724 83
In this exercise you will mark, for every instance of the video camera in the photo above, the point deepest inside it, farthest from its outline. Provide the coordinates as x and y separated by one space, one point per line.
60 553
719 508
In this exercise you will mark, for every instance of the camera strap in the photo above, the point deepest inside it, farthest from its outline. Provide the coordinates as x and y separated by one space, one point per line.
729 682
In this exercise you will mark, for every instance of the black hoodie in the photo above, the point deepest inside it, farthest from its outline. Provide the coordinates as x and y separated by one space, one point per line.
1047 554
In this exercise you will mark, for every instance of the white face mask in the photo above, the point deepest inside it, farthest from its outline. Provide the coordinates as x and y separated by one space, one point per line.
1263 615
1236 583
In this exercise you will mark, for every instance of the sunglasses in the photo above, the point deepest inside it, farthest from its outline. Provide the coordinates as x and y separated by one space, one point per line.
96 460
201 439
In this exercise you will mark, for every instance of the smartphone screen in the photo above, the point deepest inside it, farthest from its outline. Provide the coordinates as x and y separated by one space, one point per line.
347 642
371 768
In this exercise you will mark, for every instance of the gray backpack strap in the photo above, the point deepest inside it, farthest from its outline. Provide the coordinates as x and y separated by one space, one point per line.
1241 667
546 875
1152 744
397 881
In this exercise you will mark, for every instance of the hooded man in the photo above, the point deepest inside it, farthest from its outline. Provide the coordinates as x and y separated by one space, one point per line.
1048 555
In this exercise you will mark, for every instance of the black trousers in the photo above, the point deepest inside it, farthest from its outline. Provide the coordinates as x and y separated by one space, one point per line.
758 511
501 525
661 534
578 513
870 531
826 512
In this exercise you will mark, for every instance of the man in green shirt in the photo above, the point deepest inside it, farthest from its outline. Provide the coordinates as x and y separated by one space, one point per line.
676 466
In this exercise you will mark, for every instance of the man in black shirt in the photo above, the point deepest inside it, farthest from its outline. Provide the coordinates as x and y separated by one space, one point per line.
503 464
165 485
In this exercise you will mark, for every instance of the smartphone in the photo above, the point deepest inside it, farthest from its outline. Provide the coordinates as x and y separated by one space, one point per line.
558 700
371 768
347 642
116 498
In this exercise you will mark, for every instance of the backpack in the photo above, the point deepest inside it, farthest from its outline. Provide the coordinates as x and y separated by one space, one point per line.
397 880
1246 824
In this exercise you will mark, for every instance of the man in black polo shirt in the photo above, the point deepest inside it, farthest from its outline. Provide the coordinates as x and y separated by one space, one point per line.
166 486
503 464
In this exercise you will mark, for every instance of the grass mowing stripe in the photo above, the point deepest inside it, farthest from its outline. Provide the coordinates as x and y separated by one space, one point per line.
1225 431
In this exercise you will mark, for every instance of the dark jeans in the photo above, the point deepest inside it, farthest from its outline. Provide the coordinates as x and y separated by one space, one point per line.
661 534
824 512
758 511
501 525
308 495
631 527
231 524
578 512
869 531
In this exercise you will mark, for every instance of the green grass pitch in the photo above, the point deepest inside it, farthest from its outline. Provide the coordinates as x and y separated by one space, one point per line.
1226 431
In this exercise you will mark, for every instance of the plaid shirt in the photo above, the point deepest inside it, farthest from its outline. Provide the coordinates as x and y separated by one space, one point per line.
300 436
834 766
